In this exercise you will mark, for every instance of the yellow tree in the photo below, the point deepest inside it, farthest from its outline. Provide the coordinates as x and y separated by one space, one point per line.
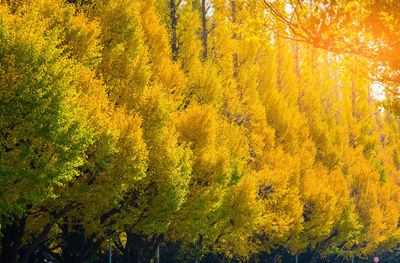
44 131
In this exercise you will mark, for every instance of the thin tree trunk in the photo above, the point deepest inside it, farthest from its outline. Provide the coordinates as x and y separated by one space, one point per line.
296 59
204 23
353 97
234 36
174 21
279 63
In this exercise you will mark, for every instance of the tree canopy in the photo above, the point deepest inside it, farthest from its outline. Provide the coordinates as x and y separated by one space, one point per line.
217 130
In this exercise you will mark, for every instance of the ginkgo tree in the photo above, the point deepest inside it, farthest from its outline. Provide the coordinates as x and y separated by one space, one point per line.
44 132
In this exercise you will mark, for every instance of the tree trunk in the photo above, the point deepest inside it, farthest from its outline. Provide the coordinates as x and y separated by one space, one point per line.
36 242
140 248
234 36
77 247
279 63
11 240
204 23
353 97
174 21
297 61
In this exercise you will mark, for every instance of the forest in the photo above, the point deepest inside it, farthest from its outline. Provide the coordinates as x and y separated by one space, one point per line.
199 131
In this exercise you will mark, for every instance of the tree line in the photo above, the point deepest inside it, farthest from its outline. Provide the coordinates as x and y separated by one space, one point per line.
199 127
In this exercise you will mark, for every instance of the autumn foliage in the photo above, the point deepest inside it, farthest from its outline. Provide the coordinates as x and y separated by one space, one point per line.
217 130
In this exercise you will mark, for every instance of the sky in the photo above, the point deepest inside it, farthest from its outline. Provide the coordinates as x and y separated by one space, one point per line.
378 91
